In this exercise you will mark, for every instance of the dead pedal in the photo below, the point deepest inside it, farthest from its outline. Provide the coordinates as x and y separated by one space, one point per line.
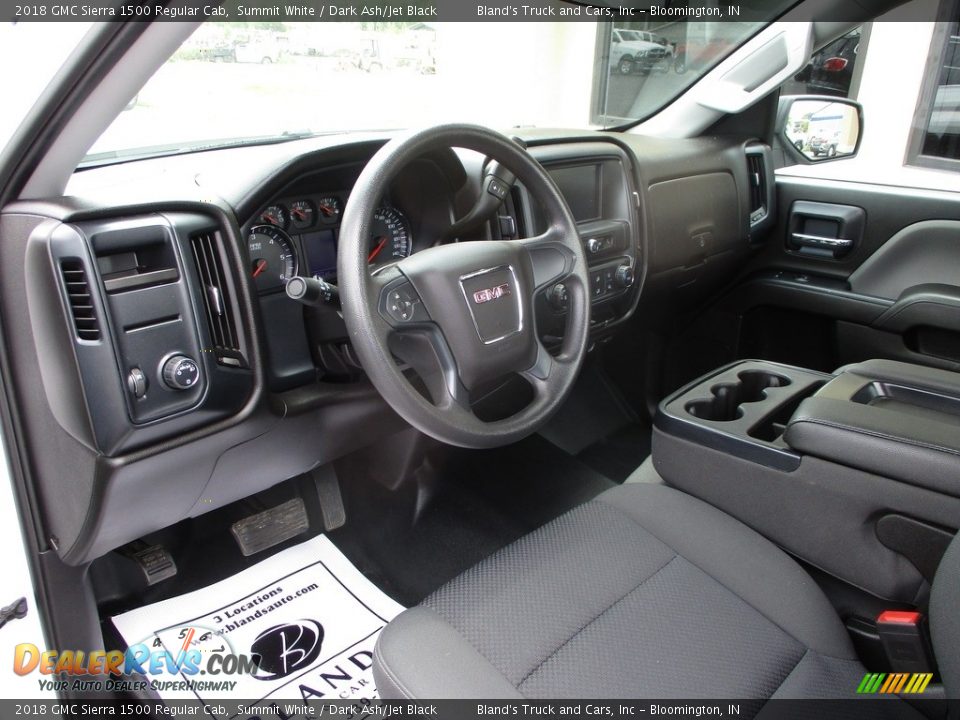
259 532
154 561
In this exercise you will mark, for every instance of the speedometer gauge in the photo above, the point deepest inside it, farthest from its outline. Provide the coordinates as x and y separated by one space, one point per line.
390 238
273 260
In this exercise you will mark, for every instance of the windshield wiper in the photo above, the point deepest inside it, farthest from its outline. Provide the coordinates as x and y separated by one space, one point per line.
113 157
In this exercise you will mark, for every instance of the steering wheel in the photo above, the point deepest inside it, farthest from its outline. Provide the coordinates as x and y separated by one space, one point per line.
461 314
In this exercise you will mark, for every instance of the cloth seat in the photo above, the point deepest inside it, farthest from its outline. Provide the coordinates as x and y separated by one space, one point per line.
644 592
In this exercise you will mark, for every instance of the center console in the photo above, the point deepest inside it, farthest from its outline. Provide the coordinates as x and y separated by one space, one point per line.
856 473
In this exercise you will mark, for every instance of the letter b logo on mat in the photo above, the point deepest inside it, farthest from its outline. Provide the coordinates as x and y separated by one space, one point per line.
284 649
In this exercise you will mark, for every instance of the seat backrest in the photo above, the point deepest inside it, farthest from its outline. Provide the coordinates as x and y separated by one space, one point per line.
945 618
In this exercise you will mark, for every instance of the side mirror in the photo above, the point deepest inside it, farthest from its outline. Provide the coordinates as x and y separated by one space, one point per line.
815 128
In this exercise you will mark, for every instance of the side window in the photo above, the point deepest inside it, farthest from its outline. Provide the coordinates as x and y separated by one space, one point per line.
935 136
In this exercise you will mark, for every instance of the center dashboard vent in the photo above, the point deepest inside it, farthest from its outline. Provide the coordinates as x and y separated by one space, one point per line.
216 297
85 321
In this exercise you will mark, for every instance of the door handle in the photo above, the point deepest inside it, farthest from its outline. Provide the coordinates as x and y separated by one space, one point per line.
818 241
825 231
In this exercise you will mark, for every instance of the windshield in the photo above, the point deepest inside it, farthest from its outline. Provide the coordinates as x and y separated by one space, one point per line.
249 82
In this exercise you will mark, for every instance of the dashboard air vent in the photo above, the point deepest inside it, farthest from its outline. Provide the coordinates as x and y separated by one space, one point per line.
81 302
760 186
216 297
758 183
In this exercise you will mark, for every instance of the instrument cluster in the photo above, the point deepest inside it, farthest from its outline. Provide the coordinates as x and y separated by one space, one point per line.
299 236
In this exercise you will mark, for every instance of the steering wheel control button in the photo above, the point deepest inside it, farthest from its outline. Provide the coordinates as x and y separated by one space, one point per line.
180 373
558 297
402 304
497 188
137 383
494 300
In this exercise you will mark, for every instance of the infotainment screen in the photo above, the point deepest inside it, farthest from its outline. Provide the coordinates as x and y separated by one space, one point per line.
321 251
580 185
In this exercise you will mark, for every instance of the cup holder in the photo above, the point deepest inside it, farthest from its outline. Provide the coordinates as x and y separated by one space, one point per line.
728 397
723 406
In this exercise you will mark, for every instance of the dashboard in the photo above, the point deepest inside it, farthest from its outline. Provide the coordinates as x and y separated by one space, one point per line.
174 373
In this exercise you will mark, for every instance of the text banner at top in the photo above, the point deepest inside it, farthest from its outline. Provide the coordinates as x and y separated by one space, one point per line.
374 11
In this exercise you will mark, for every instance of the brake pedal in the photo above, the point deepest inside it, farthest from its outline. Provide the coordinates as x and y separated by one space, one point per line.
263 530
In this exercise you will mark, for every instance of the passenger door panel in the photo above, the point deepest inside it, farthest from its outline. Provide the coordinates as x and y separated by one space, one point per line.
879 278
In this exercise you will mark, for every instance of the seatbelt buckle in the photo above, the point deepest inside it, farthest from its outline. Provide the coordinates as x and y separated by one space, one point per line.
905 641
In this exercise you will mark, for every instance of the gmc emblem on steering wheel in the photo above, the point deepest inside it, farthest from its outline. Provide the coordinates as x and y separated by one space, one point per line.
488 294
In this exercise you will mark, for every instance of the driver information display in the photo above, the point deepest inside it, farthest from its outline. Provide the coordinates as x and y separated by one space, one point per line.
321 251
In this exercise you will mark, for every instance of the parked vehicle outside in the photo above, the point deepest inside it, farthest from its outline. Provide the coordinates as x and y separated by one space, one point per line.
822 145
257 50
635 50
219 53
830 71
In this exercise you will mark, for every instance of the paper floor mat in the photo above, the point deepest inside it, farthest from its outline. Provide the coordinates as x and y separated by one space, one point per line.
307 614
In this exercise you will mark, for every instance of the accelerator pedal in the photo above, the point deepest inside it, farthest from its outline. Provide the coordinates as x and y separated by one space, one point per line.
331 502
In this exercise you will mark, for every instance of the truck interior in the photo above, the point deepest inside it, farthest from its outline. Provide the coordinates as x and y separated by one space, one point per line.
617 392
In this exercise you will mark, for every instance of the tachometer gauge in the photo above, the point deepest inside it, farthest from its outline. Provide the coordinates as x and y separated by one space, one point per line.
329 209
301 214
273 260
275 215
391 237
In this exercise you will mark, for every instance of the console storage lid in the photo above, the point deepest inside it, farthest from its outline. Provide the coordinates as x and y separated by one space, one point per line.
889 418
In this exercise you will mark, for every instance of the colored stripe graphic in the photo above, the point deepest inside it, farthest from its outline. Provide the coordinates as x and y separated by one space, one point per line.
903 681
894 683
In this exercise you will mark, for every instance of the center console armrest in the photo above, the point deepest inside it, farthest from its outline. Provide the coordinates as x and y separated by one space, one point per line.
856 473
889 418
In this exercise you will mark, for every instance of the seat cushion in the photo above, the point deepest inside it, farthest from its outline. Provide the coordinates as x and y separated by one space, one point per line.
945 620
643 592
